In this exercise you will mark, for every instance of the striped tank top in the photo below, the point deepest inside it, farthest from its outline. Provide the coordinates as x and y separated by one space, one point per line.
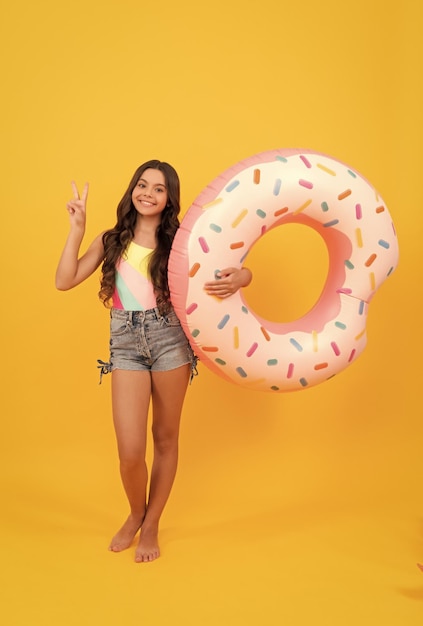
133 288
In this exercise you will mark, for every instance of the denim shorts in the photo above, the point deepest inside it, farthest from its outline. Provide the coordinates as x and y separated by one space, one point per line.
147 341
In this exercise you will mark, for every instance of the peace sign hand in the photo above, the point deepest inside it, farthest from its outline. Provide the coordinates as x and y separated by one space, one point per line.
77 206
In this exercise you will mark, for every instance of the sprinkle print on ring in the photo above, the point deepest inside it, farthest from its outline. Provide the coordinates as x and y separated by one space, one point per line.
264 191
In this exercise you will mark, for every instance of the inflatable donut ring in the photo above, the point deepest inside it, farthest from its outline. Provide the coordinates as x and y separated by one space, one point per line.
268 190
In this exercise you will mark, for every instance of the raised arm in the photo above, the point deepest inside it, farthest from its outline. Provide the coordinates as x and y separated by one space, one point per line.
229 280
72 269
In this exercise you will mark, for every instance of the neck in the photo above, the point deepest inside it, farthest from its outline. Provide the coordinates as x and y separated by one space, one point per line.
145 232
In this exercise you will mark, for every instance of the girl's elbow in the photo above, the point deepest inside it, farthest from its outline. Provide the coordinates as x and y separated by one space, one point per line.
61 284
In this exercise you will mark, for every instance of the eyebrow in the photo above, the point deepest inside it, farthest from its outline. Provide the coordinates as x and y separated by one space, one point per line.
154 184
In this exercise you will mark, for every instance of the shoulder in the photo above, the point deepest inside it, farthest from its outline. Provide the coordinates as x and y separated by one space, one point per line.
97 246
98 241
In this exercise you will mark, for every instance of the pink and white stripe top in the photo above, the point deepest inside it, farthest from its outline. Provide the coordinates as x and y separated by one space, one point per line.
133 288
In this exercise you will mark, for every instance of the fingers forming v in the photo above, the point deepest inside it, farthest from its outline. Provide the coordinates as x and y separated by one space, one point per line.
85 193
75 190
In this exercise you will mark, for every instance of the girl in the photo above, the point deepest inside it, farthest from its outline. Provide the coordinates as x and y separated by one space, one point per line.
150 357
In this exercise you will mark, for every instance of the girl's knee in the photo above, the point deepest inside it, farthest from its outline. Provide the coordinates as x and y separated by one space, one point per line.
165 440
131 460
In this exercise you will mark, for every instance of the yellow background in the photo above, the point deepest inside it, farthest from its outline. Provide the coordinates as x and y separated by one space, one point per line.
302 508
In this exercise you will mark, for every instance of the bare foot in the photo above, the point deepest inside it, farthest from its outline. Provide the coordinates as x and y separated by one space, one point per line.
125 535
148 545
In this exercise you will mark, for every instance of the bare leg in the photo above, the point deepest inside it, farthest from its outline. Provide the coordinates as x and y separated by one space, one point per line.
168 392
130 398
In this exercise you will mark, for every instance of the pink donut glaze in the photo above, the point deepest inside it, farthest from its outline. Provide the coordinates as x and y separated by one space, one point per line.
262 192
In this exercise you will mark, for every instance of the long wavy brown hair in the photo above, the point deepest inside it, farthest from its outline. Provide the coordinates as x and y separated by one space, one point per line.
116 239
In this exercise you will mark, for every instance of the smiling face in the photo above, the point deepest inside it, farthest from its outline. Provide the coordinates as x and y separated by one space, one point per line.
149 196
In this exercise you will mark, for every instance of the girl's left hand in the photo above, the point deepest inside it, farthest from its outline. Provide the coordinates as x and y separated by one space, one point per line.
229 280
